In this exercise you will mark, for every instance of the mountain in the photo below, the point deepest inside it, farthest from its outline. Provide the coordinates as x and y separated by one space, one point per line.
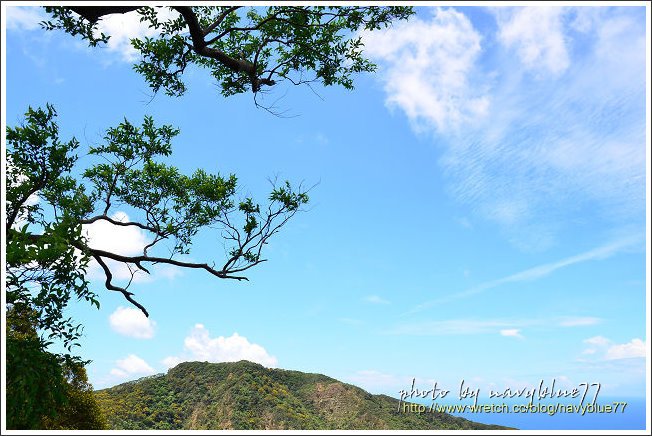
245 395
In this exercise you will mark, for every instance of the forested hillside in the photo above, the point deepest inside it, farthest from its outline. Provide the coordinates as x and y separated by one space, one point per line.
245 395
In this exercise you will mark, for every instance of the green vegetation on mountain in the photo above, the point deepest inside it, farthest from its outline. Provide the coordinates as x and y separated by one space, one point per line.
245 395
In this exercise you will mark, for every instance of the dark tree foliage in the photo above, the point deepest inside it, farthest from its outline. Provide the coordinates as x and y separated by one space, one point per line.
244 48
45 390
81 410
45 205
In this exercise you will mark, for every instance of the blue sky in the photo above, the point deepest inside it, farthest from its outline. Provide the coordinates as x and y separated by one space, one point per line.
479 213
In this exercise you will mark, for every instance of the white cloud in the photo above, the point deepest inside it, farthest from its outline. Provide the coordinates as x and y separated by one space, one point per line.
24 17
553 146
604 349
515 333
169 272
634 348
375 299
120 27
543 146
537 36
125 240
32 200
120 271
579 321
376 381
132 322
598 253
124 27
171 361
131 365
221 349
454 327
537 272
467 326
600 341
585 19
426 67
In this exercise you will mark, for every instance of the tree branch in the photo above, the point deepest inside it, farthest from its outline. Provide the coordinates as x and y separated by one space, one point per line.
201 47
16 210
245 29
220 18
119 223
110 286
138 259
94 13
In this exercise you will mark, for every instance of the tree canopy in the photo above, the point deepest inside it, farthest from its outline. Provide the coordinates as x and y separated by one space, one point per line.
244 48
47 252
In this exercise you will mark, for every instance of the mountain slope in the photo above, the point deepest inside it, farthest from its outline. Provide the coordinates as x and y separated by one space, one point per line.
245 395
